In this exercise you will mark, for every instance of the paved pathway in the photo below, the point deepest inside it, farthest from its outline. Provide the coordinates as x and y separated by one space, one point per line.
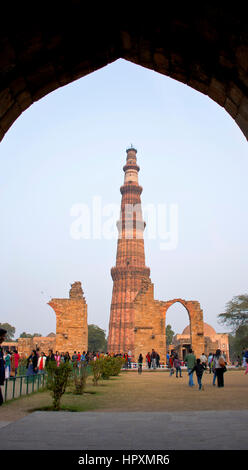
210 430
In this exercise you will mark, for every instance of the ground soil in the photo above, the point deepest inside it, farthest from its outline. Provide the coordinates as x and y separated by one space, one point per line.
151 391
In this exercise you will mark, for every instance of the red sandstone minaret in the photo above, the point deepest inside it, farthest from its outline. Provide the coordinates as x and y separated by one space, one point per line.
130 267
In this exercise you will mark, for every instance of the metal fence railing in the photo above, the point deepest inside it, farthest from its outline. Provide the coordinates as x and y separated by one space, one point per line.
15 387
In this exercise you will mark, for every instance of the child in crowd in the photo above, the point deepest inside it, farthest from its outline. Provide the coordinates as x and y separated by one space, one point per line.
199 369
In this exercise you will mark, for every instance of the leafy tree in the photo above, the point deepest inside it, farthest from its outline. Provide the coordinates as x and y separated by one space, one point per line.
236 313
169 335
238 341
29 335
10 331
96 339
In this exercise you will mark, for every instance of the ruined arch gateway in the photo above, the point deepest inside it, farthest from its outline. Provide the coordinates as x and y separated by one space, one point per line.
150 320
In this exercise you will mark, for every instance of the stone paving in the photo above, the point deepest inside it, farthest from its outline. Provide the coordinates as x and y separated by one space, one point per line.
209 430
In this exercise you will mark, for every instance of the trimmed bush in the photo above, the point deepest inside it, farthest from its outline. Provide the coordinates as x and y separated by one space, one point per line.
96 367
57 380
80 379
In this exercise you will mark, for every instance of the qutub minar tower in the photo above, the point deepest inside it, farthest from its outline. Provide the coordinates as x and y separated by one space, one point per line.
130 269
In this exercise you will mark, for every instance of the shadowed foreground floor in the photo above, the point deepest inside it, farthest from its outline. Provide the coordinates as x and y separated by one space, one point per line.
210 430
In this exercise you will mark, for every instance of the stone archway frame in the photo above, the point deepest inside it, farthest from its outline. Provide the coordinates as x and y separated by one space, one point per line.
195 320
205 48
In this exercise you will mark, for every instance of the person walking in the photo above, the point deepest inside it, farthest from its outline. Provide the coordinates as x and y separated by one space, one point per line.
50 357
153 358
41 363
204 360
7 359
246 371
213 370
171 364
190 359
210 358
177 365
157 360
140 362
148 359
199 369
219 366
2 365
129 358
16 357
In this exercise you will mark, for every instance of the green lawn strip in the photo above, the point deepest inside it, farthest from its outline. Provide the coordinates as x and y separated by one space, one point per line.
93 398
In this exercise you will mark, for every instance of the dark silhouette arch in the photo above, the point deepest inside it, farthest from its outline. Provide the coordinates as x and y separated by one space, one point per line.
204 47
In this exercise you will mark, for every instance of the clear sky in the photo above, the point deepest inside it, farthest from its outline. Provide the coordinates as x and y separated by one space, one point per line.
69 148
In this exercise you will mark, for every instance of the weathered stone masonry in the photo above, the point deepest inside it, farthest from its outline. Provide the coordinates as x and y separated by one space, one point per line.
137 320
71 321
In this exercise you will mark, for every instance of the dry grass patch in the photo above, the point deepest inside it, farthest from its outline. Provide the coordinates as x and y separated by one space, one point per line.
152 391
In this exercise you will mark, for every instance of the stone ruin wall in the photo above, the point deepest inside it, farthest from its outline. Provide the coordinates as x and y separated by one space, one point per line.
71 321
44 343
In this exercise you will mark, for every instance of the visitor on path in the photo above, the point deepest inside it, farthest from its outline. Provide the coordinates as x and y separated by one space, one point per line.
167 358
171 364
34 360
125 357
177 365
190 360
16 359
74 359
50 357
41 363
2 367
158 360
246 371
67 357
210 362
57 358
7 359
199 369
129 357
153 358
220 367
148 360
140 362
30 369
12 364
204 360
213 370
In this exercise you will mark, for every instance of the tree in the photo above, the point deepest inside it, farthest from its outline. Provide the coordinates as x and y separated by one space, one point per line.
25 335
169 335
10 331
96 339
236 313
29 335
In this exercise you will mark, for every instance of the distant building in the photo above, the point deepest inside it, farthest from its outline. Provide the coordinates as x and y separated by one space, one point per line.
212 341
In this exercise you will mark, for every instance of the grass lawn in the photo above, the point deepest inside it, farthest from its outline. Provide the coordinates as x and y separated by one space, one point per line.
151 391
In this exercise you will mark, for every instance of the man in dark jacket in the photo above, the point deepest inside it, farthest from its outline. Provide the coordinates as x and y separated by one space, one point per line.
2 368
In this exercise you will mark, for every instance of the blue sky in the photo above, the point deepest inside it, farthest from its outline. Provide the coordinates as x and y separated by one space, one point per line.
70 147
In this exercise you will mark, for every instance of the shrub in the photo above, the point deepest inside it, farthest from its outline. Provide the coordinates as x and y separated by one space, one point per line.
116 365
107 367
96 367
57 380
80 379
